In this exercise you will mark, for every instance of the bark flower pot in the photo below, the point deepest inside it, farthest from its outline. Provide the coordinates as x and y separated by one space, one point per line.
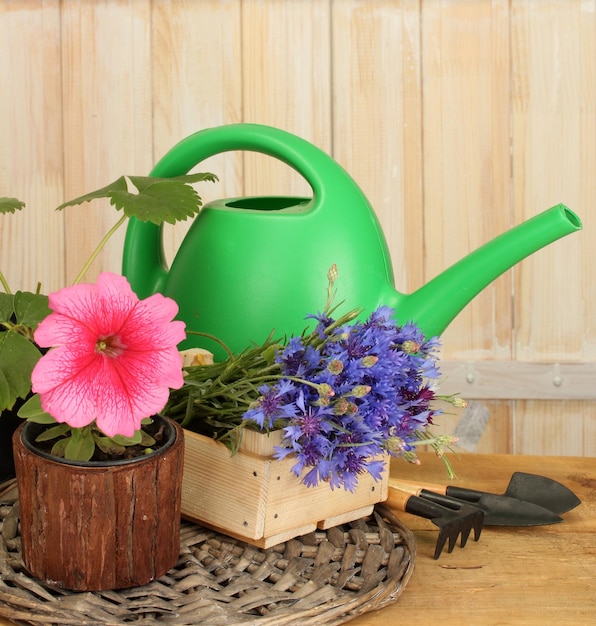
258 499
99 525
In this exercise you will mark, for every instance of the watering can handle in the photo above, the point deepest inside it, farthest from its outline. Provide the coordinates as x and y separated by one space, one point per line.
316 166
324 175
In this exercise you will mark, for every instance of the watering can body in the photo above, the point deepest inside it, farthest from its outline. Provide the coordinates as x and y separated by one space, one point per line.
250 267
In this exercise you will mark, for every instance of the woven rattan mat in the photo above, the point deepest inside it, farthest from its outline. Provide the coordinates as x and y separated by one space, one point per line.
326 577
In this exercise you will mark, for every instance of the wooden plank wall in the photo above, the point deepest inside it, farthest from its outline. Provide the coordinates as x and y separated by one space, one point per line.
458 118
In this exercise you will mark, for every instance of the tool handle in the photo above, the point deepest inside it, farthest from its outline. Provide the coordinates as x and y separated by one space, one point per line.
444 500
412 486
403 501
461 493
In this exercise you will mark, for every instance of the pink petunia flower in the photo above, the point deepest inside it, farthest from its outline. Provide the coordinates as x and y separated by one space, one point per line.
114 357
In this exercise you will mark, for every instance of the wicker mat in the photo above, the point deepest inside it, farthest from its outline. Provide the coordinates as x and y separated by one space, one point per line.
326 577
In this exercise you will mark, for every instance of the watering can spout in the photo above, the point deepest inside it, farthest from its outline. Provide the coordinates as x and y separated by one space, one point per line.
434 305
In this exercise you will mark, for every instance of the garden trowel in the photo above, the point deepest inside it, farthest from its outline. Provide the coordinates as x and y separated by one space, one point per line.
528 501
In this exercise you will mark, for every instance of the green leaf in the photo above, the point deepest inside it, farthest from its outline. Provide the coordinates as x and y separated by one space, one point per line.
104 192
80 446
59 447
143 182
158 199
18 357
10 205
30 308
53 433
6 307
32 412
108 445
128 441
147 440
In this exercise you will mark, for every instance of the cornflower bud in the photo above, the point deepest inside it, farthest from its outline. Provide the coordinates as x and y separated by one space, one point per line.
360 391
369 361
352 409
395 444
325 390
341 406
409 346
335 366
332 274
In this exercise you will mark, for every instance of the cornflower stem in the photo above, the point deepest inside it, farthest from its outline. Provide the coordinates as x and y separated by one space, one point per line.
317 342
213 338
99 248
438 444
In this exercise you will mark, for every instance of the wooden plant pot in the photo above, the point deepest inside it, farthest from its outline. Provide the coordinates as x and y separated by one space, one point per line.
99 525
258 499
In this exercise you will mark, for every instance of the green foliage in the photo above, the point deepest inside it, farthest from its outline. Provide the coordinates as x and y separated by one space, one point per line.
29 308
79 444
32 412
157 199
19 316
10 205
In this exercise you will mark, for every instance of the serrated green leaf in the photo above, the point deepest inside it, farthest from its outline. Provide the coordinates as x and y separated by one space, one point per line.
163 201
18 357
10 205
53 433
143 182
80 446
105 192
30 308
158 199
32 412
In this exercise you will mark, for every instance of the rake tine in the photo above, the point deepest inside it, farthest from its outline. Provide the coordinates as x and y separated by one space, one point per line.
441 540
465 533
479 523
452 541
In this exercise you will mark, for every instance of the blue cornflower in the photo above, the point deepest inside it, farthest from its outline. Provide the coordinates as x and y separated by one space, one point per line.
376 374
297 359
271 405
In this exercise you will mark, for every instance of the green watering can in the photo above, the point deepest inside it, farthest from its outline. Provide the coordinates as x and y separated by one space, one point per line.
250 266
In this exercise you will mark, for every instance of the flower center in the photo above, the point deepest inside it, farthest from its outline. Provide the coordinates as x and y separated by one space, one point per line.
111 346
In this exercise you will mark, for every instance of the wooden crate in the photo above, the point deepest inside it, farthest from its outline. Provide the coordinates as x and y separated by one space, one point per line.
253 497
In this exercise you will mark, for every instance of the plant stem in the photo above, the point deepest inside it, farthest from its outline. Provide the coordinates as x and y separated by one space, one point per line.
5 284
213 338
99 248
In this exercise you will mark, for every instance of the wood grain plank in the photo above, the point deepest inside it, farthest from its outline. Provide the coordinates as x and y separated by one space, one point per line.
31 148
285 83
106 73
553 113
377 120
519 380
197 84
466 158
554 158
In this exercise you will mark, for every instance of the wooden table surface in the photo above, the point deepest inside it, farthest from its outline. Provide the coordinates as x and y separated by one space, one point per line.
542 575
